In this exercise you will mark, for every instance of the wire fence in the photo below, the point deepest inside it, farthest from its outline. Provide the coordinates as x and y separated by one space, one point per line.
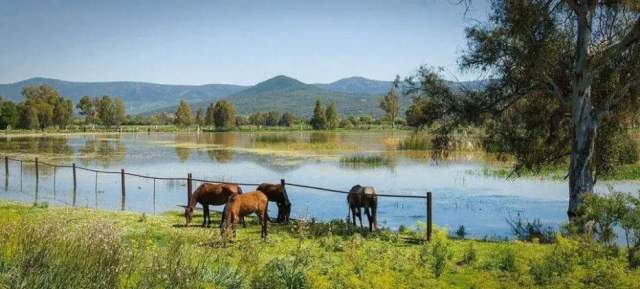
189 183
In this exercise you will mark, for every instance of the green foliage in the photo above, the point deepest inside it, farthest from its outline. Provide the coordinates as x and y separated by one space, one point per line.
224 115
272 118
390 103
319 120
111 111
470 255
8 115
88 108
44 107
184 116
286 119
332 117
200 117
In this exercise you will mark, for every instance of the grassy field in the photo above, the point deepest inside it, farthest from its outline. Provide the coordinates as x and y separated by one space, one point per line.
46 247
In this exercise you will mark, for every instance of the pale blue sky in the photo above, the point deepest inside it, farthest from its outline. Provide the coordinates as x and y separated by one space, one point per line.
230 41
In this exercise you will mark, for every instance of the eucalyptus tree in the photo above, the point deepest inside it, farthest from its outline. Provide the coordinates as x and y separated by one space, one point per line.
564 85
390 103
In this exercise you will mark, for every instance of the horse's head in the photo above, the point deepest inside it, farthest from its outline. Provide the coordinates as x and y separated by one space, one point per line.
188 215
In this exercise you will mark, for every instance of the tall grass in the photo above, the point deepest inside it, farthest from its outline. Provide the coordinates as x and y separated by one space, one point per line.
414 142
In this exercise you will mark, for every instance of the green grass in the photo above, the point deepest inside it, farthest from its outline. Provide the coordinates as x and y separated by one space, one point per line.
365 160
53 247
558 173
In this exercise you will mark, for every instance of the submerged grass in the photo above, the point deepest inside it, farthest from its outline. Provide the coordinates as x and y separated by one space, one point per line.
365 160
620 173
82 248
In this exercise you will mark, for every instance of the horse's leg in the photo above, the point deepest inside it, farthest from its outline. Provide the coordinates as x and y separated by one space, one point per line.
222 218
353 215
205 214
360 216
366 212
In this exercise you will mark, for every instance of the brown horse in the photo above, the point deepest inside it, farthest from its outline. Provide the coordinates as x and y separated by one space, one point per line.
209 194
239 206
364 197
278 194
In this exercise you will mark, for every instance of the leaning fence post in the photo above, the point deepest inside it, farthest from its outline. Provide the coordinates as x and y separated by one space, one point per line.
189 188
122 203
429 216
75 184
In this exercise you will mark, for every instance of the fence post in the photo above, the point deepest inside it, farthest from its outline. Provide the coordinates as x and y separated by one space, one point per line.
75 184
123 190
37 178
6 166
429 216
189 188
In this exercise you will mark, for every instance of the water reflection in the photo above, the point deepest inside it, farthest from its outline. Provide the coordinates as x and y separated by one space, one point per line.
104 152
36 145
220 155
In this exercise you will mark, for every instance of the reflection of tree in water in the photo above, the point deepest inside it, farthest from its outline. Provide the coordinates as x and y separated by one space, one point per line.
220 155
183 153
105 152
36 145
182 143
322 137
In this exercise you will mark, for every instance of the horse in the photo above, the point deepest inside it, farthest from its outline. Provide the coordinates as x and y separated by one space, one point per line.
240 205
210 194
278 194
366 197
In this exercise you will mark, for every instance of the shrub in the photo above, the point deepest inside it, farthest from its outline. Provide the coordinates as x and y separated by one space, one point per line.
469 256
524 230
224 276
283 273
461 232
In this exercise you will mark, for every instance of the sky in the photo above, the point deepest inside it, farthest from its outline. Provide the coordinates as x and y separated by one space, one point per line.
231 41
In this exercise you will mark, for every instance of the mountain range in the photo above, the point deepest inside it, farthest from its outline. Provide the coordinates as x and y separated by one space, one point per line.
353 95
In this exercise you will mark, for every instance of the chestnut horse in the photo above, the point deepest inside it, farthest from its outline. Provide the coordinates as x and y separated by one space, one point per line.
364 197
240 205
209 194
278 194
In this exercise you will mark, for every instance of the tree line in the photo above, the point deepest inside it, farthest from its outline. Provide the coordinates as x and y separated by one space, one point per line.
44 107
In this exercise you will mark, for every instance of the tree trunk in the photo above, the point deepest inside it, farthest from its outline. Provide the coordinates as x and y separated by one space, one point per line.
584 118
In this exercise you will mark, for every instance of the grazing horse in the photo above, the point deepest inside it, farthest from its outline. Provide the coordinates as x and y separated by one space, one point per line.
366 197
278 194
240 205
210 194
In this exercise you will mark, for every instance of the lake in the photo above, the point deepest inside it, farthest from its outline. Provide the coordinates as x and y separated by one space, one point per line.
462 196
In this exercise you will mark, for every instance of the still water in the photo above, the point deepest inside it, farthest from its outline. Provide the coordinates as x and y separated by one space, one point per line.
461 195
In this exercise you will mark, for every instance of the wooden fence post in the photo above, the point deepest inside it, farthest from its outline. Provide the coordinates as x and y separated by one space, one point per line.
75 184
37 178
123 197
189 188
6 173
429 216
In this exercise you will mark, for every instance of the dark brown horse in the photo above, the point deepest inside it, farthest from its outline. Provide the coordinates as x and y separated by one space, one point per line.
278 193
209 194
364 197
239 206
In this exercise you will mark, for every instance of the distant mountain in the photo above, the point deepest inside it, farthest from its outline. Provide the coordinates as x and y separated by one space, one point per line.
358 85
138 96
353 95
283 93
